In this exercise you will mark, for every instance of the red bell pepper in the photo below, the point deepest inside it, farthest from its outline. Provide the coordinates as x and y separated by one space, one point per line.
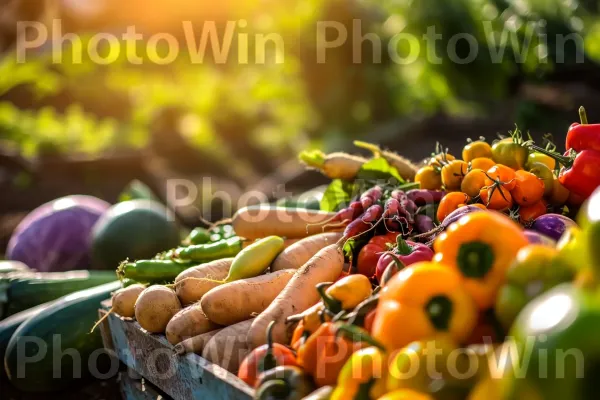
580 162
408 253
371 252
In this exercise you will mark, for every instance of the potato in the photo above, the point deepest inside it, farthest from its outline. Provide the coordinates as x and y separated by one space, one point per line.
187 323
123 300
155 307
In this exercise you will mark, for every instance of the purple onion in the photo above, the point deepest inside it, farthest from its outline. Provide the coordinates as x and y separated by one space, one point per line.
535 237
552 225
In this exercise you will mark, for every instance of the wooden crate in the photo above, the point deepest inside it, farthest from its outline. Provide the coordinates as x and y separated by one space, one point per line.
179 377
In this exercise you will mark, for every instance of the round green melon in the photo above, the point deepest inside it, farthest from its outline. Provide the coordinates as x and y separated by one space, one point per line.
135 229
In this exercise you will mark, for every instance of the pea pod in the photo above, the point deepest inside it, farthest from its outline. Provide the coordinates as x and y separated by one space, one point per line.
202 253
255 258
198 236
151 270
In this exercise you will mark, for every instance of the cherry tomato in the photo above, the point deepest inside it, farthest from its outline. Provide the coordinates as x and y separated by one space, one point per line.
453 174
429 178
536 157
496 198
510 153
560 194
475 150
449 203
441 159
503 174
473 182
528 214
545 174
370 253
528 190
482 163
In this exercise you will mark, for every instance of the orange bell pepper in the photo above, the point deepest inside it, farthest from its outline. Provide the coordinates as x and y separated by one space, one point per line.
481 246
420 302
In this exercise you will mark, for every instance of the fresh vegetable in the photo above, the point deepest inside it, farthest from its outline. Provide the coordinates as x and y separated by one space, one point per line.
152 271
534 237
371 252
7 267
425 197
70 317
228 347
482 163
476 149
535 270
429 178
552 225
590 224
23 290
501 175
557 331
334 165
237 301
195 282
188 322
326 351
528 214
195 344
309 321
155 307
364 223
54 236
123 300
197 236
254 259
536 157
472 183
528 190
257 222
511 151
361 376
453 174
407 252
346 293
496 198
423 223
405 168
449 220
481 247
296 255
135 229
560 194
450 203
202 253
405 394
298 295
545 174
429 295
283 383
265 358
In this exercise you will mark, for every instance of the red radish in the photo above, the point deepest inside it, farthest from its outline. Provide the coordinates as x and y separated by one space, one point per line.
366 221
371 196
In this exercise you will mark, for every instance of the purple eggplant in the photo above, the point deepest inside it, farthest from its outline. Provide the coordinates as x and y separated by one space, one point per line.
534 237
552 225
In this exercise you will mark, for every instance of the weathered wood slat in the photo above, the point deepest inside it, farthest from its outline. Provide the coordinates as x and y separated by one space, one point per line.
135 389
180 377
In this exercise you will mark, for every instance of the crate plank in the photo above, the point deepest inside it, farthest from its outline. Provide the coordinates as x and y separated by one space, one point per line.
180 377
135 389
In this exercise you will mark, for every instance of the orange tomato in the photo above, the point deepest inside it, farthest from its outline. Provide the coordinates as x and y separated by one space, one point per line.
560 194
483 163
528 214
477 149
453 174
473 182
496 198
429 178
528 190
449 203
503 174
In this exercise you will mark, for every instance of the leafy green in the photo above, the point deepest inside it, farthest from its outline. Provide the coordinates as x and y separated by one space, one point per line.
336 195
378 169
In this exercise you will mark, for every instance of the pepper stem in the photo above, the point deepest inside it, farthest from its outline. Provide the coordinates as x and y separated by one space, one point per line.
333 305
566 161
358 335
269 361
368 146
404 248
583 116
275 389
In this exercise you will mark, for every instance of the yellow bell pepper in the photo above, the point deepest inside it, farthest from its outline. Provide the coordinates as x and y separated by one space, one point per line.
406 394
346 293
420 302
481 246
362 377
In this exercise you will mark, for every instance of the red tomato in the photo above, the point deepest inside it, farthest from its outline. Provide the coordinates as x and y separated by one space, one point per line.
370 253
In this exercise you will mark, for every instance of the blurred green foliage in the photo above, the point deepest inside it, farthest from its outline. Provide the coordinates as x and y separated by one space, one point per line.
283 107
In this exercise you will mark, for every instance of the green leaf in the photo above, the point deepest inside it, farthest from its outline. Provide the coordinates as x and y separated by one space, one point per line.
336 195
378 168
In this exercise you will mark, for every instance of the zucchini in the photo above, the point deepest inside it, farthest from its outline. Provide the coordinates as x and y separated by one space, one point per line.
10 325
22 291
70 318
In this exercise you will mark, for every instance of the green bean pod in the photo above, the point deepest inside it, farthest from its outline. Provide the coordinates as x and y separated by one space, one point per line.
198 236
152 271
210 251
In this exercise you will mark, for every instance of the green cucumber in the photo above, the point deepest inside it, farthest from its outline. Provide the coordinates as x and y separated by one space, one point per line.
29 289
70 318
